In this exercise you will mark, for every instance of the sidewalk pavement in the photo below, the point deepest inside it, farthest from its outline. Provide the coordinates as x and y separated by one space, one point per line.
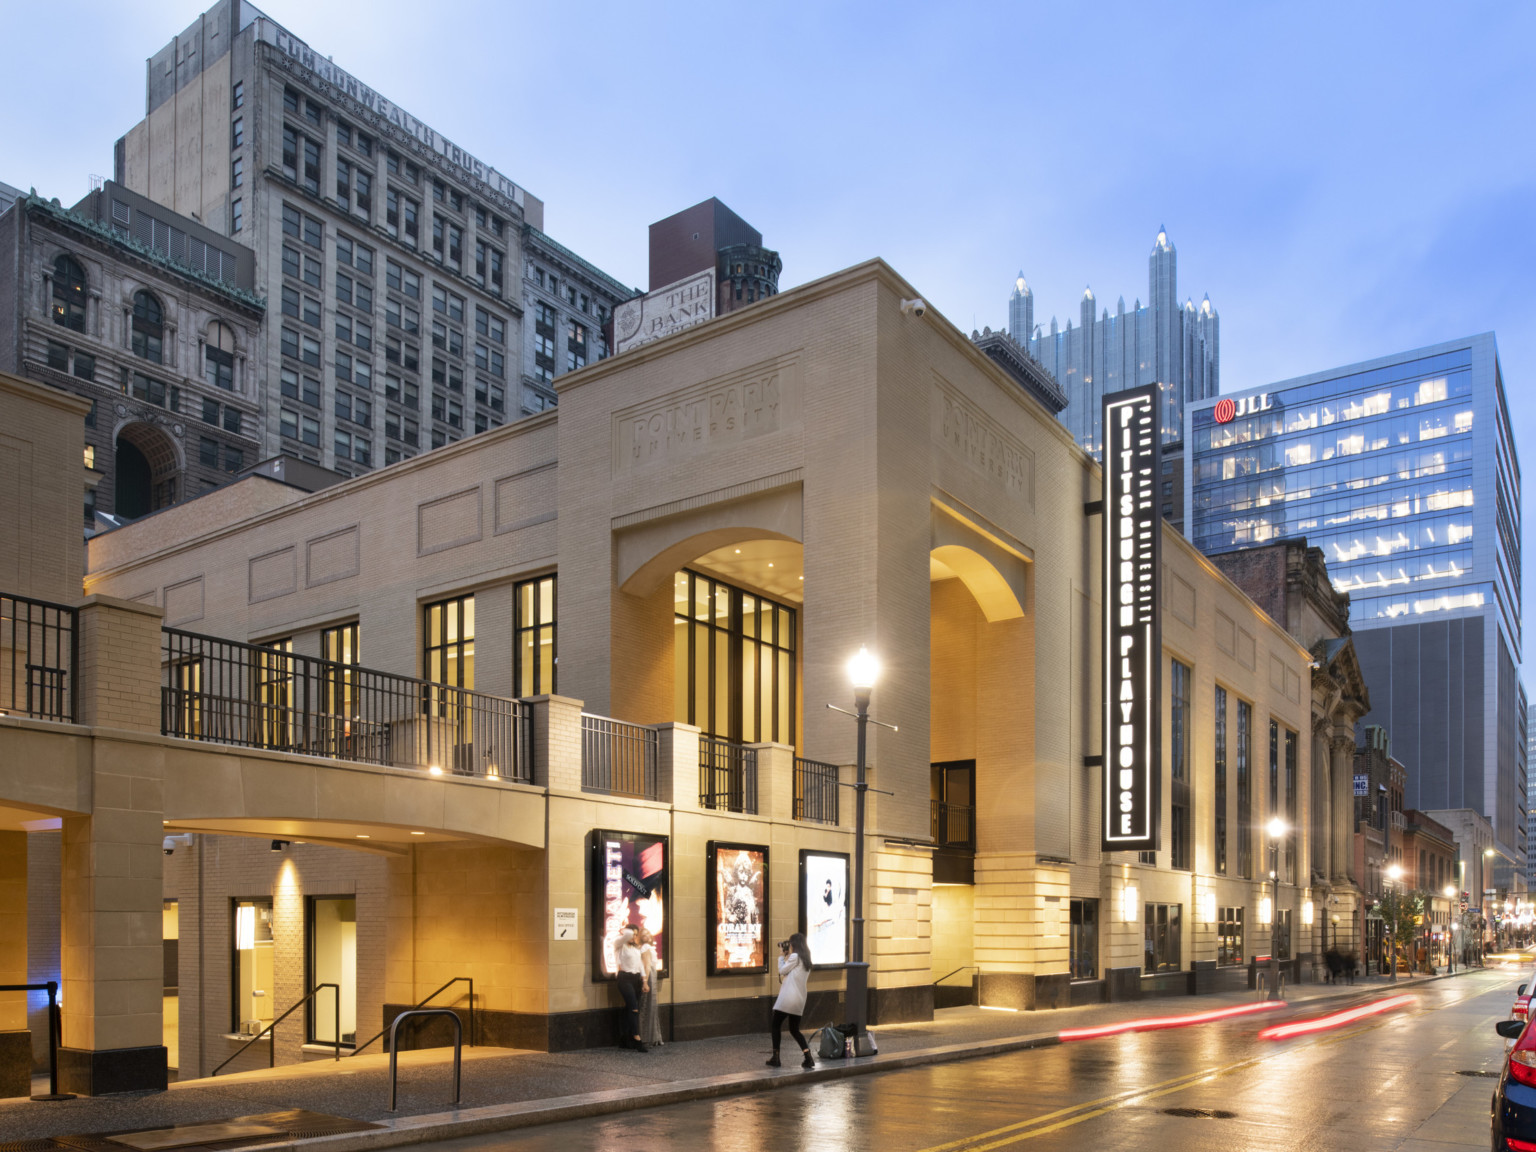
507 1088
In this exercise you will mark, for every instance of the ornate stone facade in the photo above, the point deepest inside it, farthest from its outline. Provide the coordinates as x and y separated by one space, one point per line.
151 318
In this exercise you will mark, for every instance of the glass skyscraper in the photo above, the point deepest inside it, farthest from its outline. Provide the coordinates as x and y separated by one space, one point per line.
1403 471
1178 346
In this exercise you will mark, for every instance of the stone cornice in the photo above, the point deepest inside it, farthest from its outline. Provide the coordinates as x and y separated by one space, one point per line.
130 249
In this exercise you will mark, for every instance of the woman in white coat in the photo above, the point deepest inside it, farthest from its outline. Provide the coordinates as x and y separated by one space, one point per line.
794 968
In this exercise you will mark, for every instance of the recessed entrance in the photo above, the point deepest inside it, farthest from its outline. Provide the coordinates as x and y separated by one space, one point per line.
147 471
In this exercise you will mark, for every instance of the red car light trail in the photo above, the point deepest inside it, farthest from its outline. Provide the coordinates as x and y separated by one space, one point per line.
1337 1020
1153 1023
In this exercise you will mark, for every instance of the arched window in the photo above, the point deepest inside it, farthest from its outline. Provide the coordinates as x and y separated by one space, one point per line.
148 327
219 356
69 293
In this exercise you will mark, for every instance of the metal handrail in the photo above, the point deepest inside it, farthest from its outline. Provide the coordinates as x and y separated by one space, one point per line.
229 692
952 825
956 972
816 791
727 776
272 1027
41 640
618 758
470 980
52 988
394 1047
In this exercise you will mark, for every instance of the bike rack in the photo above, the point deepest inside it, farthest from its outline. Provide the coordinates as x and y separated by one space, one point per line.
394 1047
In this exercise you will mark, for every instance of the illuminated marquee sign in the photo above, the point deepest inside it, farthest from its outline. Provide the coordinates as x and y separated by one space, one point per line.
1229 408
1132 635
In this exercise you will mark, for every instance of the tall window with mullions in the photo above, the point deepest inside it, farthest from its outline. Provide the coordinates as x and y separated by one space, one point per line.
537 655
274 694
339 646
448 628
1179 730
734 661
1219 789
1290 805
1244 789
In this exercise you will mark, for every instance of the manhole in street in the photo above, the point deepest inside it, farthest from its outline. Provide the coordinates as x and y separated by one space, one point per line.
1476 1072
1201 1113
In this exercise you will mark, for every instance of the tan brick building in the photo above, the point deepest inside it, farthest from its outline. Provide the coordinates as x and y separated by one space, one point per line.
727 515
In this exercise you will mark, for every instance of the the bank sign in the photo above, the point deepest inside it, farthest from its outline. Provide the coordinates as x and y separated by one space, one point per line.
1132 637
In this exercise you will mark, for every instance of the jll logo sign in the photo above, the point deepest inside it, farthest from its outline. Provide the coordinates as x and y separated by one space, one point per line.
1132 632
1229 409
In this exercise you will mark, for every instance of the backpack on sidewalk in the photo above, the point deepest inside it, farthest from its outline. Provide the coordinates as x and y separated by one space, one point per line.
830 1043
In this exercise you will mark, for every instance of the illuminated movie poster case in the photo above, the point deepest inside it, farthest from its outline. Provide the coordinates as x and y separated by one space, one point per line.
628 886
824 905
737 932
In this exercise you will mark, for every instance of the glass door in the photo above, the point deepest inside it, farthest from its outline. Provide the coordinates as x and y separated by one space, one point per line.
333 960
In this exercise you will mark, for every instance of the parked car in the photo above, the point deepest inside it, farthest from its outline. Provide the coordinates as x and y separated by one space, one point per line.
1514 1100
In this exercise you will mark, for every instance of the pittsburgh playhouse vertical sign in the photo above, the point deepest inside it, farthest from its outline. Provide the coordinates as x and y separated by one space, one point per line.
1132 641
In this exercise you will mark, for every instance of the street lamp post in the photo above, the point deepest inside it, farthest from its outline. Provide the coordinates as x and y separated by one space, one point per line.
1483 889
1450 929
1394 873
1277 830
863 670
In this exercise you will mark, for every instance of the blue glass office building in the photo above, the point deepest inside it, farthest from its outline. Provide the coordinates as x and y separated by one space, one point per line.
1404 471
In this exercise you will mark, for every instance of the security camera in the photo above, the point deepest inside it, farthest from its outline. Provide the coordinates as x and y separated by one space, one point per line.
170 843
916 307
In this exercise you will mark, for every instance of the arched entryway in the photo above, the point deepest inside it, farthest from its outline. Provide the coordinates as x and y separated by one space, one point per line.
981 746
148 471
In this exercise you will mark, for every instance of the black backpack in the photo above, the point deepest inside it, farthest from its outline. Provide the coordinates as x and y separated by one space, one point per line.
830 1043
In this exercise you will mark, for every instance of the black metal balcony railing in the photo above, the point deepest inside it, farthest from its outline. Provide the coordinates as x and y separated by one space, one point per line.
618 758
816 791
226 692
953 825
39 652
727 776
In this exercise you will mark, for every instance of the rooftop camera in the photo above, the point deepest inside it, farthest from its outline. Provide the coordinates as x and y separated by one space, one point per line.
915 307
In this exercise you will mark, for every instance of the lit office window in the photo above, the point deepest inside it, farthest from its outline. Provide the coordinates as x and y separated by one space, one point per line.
537 654
449 652
340 646
252 962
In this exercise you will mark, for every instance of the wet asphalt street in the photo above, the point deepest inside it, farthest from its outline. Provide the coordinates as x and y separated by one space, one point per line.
1395 1081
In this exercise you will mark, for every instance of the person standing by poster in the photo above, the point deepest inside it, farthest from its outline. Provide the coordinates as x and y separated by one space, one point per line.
650 1008
632 986
794 969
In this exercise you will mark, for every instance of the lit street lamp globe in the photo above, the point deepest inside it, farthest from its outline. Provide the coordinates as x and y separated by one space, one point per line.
863 669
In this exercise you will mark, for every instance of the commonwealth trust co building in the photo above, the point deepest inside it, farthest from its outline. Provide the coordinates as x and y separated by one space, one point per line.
461 718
